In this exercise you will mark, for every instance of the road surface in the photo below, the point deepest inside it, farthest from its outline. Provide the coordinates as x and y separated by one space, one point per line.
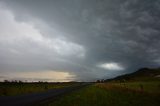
35 98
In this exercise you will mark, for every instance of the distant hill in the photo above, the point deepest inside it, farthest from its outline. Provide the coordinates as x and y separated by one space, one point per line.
141 74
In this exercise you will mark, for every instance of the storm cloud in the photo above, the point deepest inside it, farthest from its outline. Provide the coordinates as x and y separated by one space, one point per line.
84 39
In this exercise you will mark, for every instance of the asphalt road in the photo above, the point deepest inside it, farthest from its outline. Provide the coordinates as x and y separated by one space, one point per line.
34 98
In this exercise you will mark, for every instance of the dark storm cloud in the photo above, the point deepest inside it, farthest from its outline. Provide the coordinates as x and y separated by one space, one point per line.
110 34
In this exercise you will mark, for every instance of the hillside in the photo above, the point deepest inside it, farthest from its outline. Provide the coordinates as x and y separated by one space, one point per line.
143 74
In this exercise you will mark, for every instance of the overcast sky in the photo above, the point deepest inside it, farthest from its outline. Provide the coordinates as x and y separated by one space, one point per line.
80 40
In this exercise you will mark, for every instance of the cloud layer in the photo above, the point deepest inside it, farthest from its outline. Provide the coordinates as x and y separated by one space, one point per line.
87 39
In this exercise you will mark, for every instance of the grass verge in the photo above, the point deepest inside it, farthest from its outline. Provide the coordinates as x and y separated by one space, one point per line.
99 95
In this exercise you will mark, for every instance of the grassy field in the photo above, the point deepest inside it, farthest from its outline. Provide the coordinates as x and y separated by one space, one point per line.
151 87
112 94
9 89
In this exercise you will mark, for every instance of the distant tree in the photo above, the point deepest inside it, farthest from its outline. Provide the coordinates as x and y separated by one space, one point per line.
6 81
40 82
98 81
20 81
102 81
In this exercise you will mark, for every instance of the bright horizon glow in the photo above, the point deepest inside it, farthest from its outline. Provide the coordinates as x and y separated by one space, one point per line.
49 76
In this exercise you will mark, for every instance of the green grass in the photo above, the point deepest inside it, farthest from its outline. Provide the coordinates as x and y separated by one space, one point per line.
150 86
10 89
104 95
145 86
